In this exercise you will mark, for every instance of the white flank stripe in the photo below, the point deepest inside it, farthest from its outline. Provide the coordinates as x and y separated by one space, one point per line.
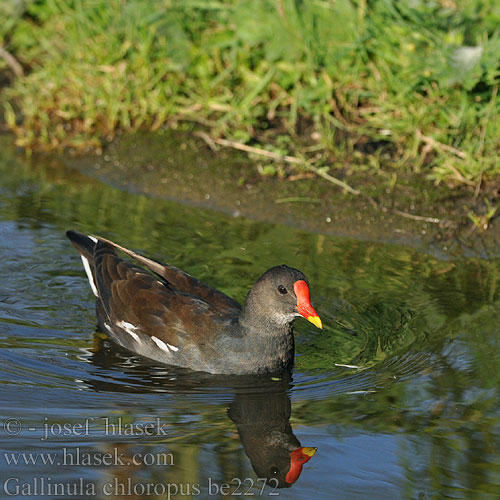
160 343
93 238
86 266
134 336
126 326
175 349
129 328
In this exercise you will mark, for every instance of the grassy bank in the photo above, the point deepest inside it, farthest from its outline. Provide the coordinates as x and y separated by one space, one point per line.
389 86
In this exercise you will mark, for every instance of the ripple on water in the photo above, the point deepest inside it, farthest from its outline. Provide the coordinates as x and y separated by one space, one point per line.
398 392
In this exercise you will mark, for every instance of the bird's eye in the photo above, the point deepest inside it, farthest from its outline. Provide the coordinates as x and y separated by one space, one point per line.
274 471
282 290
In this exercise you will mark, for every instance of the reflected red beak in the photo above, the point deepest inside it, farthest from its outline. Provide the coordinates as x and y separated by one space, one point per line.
304 307
298 458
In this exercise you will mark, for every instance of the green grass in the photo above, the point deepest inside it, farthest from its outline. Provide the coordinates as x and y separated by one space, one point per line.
388 86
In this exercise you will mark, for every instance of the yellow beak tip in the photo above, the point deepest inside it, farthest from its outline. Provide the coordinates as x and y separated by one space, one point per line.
316 321
309 451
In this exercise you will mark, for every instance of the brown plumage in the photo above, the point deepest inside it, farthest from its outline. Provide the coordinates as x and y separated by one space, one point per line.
167 315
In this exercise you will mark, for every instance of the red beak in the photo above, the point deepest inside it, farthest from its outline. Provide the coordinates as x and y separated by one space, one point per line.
298 458
304 307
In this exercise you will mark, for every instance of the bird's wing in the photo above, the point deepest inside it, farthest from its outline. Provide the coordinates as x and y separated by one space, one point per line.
182 281
135 301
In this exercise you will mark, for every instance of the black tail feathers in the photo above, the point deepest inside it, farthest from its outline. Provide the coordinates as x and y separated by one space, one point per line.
83 243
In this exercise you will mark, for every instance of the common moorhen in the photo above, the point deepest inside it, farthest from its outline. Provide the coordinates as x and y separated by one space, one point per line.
263 423
168 316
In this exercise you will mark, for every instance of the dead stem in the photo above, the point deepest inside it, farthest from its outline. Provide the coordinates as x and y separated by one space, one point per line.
433 220
494 93
319 172
333 180
202 135
478 186
276 156
11 61
439 145
458 175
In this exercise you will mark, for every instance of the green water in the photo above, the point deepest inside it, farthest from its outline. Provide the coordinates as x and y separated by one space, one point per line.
399 392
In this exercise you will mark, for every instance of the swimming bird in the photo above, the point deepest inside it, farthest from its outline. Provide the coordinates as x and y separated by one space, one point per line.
163 313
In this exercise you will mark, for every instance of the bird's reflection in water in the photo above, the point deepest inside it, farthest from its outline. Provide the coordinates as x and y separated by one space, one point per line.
260 406
263 423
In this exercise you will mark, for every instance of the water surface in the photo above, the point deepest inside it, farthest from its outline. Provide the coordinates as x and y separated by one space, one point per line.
399 392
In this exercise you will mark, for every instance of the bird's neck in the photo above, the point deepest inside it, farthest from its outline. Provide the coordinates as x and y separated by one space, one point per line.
264 321
272 345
